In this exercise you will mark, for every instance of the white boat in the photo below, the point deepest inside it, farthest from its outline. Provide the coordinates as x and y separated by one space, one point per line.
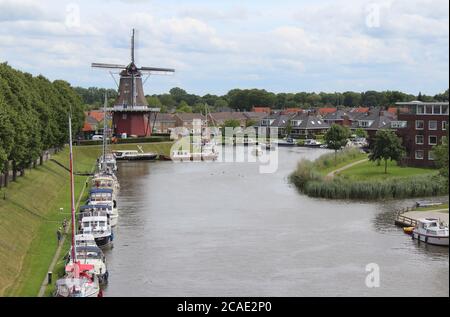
105 181
94 256
286 142
105 197
431 231
133 155
78 282
97 224
312 143
107 163
86 240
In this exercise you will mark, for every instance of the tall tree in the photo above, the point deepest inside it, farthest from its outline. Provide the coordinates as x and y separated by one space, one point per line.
441 156
386 146
336 138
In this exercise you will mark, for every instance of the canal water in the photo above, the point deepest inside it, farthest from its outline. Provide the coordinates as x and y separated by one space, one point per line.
225 229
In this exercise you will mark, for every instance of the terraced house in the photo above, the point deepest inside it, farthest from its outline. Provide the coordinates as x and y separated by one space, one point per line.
422 127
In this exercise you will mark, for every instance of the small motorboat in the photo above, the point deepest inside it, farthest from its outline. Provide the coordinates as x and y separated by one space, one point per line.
312 143
431 231
133 155
425 204
104 181
105 197
107 162
286 142
86 240
97 224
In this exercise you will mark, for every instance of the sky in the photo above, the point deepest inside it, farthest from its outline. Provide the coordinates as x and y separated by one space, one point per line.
216 46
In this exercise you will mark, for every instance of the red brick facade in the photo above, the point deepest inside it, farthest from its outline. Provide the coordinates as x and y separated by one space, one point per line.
426 125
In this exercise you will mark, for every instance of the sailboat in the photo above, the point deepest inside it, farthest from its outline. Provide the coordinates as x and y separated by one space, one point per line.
80 279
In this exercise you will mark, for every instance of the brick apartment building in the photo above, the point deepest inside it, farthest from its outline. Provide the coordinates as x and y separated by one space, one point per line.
422 128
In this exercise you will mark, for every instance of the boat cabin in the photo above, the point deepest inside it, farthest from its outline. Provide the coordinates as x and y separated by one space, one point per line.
99 195
85 240
95 225
431 226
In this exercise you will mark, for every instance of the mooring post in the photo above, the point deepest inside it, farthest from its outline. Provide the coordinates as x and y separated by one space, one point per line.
49 278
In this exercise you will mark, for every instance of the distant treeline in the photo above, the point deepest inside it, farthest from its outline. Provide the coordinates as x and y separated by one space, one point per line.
33 117
244 100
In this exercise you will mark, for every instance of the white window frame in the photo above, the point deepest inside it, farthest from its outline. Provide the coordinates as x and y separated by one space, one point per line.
422 108
444 125
423 123
429 125
432 136
423 139
419 158
431 156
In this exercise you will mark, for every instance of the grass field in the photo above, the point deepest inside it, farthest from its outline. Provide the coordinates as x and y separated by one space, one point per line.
371 170
30 217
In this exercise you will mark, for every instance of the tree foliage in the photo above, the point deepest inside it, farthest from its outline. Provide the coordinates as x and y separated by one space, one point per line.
441 156
33 116
337 137
386 146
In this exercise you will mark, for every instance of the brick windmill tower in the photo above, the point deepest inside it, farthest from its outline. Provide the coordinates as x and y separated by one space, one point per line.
131 113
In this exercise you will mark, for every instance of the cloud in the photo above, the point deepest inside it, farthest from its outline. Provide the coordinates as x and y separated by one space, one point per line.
293 45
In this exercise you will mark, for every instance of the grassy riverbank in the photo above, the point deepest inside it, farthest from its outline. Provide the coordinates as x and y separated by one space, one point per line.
366 180
30 217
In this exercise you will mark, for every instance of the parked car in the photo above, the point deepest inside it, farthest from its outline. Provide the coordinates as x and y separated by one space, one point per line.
97 137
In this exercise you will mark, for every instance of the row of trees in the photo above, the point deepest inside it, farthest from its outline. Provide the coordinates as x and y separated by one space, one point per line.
178 100
33 117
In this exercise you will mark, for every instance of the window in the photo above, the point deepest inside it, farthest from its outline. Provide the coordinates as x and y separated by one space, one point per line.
419 155
419 125
420 110
124 116
444 125
419 139
444 109
429 109
437 109
398 124
432 125
430 155
432 140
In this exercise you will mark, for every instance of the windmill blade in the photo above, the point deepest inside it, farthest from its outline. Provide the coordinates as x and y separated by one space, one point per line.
156 69
110 66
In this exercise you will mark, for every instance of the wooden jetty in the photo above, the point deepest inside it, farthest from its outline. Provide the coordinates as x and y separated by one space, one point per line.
409 217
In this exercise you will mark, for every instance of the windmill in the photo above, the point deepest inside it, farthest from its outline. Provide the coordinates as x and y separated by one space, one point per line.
131 114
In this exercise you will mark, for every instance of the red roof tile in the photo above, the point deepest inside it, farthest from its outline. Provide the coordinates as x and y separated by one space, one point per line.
324 111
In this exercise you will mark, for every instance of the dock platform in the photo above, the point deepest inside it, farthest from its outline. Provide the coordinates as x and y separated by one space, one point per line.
409 219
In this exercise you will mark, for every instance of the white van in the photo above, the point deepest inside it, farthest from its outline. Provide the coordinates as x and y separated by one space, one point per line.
97 138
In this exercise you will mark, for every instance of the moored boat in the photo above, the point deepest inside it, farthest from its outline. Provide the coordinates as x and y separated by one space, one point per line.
94 256
78 282
431 231
132 155
105 197
97 224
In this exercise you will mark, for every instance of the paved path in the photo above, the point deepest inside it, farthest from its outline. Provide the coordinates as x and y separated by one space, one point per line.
441 214
59 249
333 173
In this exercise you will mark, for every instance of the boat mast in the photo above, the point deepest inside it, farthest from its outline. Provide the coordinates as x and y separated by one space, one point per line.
104 132
72 192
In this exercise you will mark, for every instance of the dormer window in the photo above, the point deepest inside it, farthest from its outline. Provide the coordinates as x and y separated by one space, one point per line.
296 123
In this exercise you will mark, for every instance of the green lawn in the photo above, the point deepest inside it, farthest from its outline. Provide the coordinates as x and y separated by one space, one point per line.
326 171
443 206
371 170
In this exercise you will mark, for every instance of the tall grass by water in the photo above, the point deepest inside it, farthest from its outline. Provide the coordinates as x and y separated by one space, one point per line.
310 179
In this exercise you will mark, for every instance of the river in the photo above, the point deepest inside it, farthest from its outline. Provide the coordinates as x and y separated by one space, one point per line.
225 229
